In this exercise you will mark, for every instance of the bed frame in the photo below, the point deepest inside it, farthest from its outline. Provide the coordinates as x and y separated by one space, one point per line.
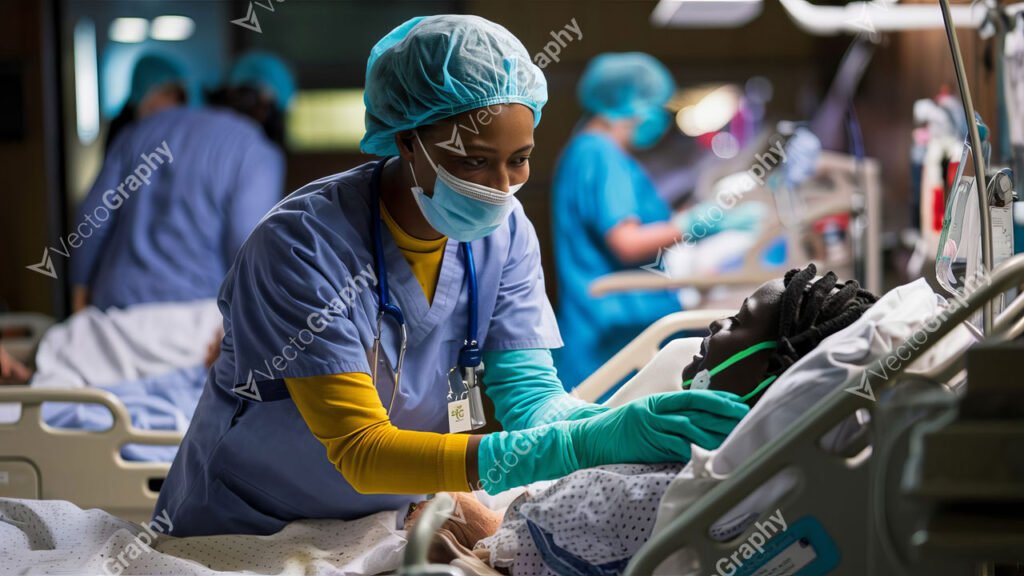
38 461
836 491
833 489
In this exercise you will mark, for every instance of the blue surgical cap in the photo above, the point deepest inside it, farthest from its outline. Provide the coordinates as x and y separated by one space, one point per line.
435 67
152 71
267 72
624 85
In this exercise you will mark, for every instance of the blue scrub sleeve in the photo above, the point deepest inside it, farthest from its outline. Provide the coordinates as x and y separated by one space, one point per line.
610 191
260 186
103 200
527 392
290 303
522 316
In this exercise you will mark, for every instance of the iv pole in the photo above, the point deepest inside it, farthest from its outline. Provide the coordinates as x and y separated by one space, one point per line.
977 153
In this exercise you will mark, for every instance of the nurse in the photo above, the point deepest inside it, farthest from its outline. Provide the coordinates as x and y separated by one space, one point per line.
179 190
607 214
357 314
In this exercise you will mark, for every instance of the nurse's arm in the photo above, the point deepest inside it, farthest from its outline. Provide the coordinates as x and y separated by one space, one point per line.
635 243
95 221
345 414
526 391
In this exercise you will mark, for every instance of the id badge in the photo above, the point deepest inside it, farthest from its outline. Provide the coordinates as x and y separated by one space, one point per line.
458 416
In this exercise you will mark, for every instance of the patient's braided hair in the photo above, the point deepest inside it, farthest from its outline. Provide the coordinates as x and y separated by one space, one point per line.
809 315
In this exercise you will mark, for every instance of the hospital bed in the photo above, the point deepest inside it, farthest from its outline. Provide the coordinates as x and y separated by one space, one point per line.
89 466
834 192
839 498
84 467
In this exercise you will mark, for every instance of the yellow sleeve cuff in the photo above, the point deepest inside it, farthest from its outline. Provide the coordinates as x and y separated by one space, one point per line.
345 414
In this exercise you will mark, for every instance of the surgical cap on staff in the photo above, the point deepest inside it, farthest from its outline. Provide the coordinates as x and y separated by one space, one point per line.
435 67
152 71
267 72
624 85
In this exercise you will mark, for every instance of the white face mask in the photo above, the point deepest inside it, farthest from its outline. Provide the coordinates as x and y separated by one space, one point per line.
462 210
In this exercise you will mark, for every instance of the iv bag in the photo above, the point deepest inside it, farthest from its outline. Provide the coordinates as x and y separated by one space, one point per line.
959 256
959 260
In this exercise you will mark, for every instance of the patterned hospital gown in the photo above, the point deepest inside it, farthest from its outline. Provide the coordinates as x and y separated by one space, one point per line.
591 522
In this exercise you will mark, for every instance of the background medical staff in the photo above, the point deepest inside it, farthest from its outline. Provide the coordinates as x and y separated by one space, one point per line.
607 214
171 236
295 422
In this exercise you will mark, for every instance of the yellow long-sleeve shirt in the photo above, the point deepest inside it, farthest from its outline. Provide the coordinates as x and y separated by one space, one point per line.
344 412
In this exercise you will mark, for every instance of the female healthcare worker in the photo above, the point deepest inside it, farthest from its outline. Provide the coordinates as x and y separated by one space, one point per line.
607 214
360 304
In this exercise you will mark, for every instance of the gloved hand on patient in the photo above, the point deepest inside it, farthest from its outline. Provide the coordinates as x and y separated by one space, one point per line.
795 314
657 428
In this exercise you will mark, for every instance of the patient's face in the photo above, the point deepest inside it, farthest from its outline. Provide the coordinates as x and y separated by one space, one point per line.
757 321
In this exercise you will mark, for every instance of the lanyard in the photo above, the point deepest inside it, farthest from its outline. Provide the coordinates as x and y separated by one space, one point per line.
469 355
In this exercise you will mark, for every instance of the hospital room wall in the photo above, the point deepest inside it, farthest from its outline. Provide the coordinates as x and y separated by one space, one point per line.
29 169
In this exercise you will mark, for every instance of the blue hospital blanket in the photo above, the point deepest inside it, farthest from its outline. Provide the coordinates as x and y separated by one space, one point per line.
164 402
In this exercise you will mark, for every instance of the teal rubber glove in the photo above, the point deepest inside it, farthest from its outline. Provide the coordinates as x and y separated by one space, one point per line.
527 392
658 428
655 429
707 219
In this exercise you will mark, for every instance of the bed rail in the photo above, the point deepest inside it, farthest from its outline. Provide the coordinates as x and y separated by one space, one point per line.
642 349
820 479
83 467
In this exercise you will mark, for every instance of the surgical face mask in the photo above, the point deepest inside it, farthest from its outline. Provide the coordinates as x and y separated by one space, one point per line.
651 127
702 381
462 210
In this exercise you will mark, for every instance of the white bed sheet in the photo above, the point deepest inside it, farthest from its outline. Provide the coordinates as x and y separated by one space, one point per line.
56 537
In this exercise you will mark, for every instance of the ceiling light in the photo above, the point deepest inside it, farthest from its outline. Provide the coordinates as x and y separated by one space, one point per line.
128 30
172 28
705 13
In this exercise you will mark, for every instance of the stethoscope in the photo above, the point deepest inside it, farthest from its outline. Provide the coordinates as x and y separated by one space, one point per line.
465 373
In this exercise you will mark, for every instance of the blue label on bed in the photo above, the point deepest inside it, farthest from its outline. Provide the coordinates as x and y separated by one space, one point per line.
803 549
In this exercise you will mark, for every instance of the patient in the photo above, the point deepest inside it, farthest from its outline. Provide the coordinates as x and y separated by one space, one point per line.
594 521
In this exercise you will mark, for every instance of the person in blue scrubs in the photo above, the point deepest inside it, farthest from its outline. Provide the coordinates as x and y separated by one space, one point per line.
608 216
360 307
179 191
260 85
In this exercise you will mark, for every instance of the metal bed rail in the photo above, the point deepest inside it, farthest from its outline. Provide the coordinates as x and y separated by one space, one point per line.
83 467
799 445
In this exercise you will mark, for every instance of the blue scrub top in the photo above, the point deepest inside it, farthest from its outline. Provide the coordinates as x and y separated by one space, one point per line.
212 175
597 186
300 301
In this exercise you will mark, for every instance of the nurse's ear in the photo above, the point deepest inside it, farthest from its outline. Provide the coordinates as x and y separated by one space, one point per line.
406 143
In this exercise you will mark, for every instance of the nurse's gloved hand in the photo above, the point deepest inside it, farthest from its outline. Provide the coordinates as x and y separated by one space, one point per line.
708 218
746 217
658 428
